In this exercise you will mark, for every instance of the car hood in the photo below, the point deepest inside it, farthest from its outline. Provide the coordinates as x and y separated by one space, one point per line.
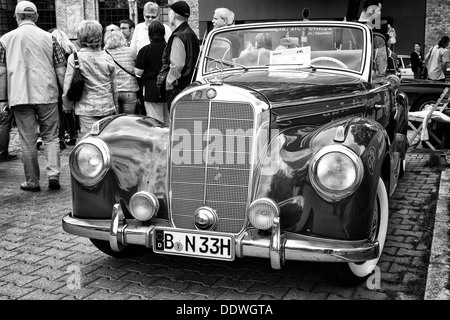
284 87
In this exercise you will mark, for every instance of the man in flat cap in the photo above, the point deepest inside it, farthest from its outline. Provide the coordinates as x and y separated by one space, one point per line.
181 53
31 64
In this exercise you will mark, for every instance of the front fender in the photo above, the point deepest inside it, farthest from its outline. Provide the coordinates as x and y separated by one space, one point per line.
138 147
284 178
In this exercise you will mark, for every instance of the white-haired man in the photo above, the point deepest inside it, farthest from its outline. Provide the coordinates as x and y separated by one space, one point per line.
225 17
222 17
140 35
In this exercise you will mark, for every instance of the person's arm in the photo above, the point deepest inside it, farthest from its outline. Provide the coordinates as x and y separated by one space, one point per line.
445 60
177 62
3 88
138 72
133 45
59 61
60 74
139 64
3 80
68 105
114 88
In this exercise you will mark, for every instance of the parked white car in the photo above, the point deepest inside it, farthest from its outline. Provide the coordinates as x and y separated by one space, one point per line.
404 65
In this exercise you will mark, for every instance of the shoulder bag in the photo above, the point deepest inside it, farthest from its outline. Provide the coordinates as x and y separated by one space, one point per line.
77 86
131 74
162 76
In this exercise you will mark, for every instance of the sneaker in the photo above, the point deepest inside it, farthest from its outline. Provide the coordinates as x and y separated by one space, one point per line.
53 184
8 157
39 143
26 187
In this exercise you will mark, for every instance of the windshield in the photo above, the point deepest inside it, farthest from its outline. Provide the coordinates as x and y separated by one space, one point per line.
312 46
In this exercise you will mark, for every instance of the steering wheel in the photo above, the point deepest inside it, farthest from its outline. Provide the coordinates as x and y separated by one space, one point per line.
219 64
338 62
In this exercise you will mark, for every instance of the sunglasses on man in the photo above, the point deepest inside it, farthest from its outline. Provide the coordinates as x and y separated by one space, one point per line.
150 17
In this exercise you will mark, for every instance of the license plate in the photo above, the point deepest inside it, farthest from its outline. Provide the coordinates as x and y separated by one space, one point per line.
193 243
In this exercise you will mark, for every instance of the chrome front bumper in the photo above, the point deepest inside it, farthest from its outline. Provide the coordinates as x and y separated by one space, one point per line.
276 247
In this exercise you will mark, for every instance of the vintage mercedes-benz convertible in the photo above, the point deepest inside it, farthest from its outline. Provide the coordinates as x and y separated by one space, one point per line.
286 147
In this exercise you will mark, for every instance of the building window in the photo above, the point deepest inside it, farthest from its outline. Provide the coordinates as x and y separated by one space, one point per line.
47 14
7 21
112 11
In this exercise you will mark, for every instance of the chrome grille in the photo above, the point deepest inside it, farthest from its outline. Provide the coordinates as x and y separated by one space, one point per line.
219 180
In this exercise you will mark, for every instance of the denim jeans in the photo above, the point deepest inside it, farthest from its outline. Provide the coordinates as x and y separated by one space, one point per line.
127 102
30 118
6 119
86 123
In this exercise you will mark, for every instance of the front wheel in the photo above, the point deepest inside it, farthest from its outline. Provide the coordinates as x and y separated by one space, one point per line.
351 274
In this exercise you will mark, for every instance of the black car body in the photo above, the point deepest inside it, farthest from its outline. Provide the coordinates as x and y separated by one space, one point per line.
293 159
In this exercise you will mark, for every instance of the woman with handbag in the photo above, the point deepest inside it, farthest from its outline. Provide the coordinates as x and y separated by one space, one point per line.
127 84
99 97
148 65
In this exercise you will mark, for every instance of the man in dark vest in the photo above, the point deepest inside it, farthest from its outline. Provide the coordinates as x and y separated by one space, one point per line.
181 52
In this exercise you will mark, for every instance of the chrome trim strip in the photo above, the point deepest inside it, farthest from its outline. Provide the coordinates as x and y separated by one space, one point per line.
304 114
247 244
208 136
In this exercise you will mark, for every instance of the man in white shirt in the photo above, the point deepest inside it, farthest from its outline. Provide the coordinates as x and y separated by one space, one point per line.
438 59
140 35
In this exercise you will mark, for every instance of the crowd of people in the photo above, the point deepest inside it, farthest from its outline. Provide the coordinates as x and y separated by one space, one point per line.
119 64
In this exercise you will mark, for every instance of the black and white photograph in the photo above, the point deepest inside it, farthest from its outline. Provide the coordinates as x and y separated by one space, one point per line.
224 158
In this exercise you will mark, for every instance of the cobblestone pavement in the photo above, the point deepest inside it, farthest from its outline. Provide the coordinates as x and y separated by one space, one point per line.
38 260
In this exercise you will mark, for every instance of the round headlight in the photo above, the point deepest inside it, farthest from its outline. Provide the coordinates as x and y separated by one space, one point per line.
336 172
262 212
144 205
89 161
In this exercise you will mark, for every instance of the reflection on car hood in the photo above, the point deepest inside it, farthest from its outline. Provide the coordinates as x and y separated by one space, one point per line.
281 87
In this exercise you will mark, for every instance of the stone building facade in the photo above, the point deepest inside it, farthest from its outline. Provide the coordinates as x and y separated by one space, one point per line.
437 21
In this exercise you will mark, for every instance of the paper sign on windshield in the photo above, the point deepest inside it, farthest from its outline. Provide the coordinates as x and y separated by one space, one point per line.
291 56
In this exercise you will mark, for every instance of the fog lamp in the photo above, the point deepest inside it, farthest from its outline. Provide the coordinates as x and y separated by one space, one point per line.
262 212
144 205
